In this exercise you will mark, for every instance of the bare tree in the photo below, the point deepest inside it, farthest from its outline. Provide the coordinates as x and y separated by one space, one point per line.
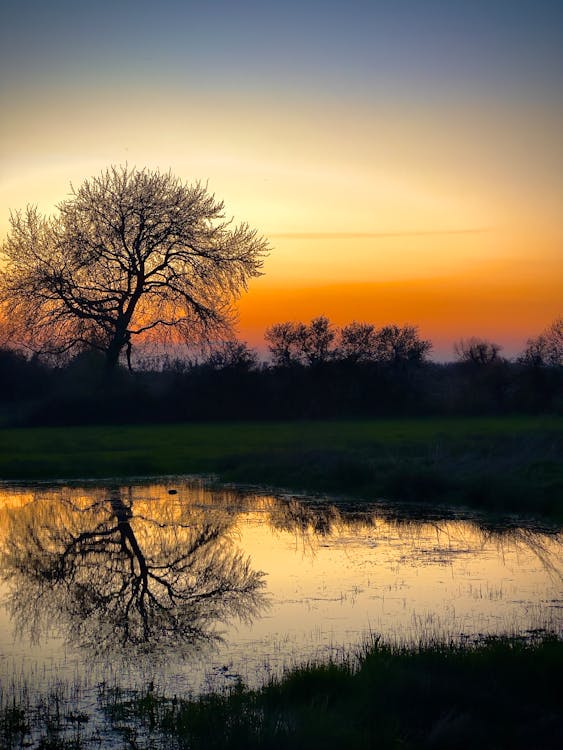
299 343
233 355
318 342
546 350
286 341
477 351
401 344
358 343
313 344
132 253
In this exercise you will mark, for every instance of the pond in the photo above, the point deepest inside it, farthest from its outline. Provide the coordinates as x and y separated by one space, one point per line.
192 586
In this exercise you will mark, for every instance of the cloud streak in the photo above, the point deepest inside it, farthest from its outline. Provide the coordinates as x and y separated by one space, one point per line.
370 235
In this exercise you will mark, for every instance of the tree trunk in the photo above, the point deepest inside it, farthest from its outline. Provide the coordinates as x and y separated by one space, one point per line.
119 341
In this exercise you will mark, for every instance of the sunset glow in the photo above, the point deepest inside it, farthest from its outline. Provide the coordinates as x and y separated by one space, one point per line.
405 160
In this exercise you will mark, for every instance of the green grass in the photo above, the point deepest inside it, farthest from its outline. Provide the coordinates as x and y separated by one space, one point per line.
508 463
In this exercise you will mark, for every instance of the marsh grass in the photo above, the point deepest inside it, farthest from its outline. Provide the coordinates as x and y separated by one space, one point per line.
501 692
50 721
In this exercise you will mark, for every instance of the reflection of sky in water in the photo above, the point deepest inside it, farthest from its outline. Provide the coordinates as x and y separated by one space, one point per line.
332 577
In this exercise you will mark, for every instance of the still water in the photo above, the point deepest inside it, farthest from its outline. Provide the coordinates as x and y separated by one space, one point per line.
193 586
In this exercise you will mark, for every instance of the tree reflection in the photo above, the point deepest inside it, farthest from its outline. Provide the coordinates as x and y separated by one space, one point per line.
118 576
118 573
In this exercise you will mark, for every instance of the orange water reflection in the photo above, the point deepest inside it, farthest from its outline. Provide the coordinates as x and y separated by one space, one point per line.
250 581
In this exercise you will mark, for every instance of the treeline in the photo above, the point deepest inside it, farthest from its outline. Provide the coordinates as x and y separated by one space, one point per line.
315 370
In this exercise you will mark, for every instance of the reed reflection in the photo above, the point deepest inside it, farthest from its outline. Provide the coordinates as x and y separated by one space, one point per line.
121 576
441 533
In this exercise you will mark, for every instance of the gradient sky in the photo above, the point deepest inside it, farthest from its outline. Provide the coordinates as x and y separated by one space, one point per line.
404 158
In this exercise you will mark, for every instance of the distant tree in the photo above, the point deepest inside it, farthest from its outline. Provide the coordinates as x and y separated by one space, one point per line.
298 343
311 344
318 341
546 350
233 355
286 342
477 351
400 345
358 343
132 253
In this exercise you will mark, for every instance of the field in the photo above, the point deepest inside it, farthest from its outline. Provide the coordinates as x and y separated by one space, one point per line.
499 464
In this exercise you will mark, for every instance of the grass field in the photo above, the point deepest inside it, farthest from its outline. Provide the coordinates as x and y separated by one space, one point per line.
509 463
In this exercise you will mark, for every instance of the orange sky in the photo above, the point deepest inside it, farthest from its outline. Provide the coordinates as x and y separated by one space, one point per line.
414 174
452 285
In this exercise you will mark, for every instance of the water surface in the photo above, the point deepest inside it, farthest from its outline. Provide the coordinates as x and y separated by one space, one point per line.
194 586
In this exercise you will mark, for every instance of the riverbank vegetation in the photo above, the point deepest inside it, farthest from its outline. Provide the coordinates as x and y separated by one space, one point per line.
498 693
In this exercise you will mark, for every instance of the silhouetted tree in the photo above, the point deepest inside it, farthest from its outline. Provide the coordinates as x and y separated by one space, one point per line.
547 349
485 381
318 341
358 343
233 355
286 341
400 345
477 351
133 253
298 343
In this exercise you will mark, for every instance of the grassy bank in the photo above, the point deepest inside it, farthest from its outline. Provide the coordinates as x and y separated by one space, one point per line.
509 463
502 693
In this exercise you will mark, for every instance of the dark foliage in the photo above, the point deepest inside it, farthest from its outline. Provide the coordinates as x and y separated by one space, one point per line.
502 693
316 372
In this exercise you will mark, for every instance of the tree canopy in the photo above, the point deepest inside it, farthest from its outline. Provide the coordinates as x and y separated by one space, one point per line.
319 342
131 254
477 351
546 350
